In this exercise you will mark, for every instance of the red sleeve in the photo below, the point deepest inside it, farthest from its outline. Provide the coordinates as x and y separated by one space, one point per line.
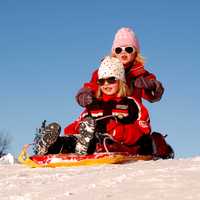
71 128
93 82
124 133
131 132
74 126
139 71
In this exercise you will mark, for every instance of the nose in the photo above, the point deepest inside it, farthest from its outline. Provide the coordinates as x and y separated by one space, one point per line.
106 82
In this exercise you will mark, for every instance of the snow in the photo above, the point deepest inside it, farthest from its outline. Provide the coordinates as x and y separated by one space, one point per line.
142 180
7 159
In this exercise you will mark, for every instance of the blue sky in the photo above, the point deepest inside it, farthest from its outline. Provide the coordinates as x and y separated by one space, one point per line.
48 49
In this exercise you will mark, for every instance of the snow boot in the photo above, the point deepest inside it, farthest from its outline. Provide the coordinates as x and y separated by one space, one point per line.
86 130
161 149
48 136
144 145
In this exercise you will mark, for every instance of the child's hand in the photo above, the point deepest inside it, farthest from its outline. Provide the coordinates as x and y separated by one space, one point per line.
84 97
144 83
153 85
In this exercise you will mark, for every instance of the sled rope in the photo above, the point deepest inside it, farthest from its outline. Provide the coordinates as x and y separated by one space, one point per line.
104 141
104 117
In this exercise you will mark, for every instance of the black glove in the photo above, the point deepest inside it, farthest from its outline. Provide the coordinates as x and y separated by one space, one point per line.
84 97
153 85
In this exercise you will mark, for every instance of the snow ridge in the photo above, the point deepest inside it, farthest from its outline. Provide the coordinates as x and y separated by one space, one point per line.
162 179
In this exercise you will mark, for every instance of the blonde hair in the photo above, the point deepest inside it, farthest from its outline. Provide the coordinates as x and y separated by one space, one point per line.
139 59
122 92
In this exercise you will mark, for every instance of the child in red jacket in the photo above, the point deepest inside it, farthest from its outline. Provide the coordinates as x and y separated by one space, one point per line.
115 117
116 122
142 84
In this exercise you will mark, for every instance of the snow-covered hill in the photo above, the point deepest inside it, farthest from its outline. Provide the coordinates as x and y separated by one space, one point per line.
151 180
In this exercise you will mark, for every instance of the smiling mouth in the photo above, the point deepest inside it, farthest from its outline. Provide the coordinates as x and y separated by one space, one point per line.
107 89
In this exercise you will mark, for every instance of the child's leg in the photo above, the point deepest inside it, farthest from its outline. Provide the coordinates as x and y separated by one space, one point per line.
64 144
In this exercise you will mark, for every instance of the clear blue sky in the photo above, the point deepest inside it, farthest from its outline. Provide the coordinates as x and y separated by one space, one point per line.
49 48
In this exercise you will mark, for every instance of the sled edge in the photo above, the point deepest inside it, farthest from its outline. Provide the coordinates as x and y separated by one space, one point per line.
117 158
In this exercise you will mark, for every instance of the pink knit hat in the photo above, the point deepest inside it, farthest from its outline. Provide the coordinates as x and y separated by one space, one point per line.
125 37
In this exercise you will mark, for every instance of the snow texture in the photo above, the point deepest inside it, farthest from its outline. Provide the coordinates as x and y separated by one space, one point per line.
7 159
143 180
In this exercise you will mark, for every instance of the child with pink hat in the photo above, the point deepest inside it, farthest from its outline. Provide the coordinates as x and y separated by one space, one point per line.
143 84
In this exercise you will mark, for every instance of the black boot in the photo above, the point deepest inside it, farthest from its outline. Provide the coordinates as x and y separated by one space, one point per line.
145 145
48 136
161 149
86 130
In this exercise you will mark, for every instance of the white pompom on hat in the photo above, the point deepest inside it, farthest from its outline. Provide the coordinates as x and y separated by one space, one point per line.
110 67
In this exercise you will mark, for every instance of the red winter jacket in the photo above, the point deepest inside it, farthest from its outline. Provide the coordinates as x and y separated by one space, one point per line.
132 119
131 74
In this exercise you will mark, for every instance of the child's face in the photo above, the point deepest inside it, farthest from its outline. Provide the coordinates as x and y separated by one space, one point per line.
126 56
110 88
